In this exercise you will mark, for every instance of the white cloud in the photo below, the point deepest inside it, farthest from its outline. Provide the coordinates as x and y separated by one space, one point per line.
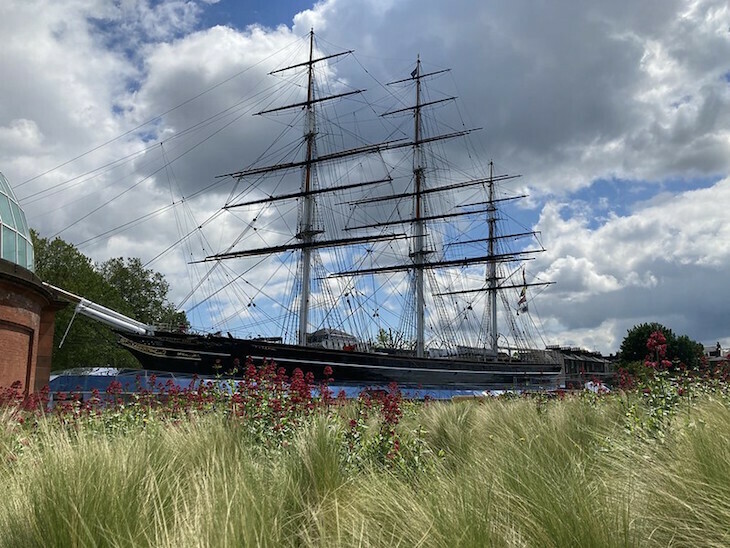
664 262
21 135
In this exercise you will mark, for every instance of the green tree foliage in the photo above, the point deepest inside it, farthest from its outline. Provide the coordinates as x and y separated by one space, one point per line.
124 286
388 339
687 351
87 342
680 349
142 291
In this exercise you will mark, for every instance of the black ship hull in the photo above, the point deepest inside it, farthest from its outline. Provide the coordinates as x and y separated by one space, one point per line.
208 355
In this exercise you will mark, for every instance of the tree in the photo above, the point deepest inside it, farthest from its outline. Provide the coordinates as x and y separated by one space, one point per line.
680 349
687 351
143 292
123 286
388 339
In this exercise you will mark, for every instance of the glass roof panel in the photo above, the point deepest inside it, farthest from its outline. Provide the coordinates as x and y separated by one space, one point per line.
15 244
9 248
6 214
22 251
4 185
19 224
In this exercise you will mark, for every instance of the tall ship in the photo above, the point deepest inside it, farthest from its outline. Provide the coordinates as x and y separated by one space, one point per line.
377 262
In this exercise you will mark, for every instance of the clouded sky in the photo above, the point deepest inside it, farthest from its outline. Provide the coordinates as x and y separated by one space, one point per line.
617 115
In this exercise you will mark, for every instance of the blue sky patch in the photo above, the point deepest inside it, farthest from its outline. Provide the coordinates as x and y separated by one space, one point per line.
621 196
247 12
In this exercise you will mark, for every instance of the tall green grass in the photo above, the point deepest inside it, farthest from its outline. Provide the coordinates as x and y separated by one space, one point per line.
495 473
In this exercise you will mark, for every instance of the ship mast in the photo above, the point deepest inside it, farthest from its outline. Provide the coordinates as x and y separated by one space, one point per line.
491 253
305 229
418 222
307 232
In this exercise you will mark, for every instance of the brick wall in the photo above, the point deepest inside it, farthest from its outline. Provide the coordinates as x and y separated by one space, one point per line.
27 312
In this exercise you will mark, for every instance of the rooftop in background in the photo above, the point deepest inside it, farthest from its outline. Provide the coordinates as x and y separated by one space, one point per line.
15 242
716 351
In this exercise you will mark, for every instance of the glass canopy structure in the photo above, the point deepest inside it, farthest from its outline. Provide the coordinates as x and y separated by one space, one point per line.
15 242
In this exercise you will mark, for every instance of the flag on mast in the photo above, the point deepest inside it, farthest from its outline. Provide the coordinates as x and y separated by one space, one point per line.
522 302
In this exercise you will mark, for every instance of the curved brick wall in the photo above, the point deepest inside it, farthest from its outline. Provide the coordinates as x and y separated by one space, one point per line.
27 311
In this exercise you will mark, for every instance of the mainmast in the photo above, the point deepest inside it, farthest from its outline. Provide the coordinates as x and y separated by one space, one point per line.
492 264
305 229
418 222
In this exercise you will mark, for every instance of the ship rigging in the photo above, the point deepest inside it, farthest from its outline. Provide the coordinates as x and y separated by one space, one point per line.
369 220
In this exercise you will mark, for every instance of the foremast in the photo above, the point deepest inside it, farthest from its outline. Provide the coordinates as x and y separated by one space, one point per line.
306 232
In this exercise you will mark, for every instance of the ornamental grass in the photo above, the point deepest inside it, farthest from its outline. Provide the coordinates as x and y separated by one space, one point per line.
275 461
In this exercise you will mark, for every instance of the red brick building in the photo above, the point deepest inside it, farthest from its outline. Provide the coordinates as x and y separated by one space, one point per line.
27 308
